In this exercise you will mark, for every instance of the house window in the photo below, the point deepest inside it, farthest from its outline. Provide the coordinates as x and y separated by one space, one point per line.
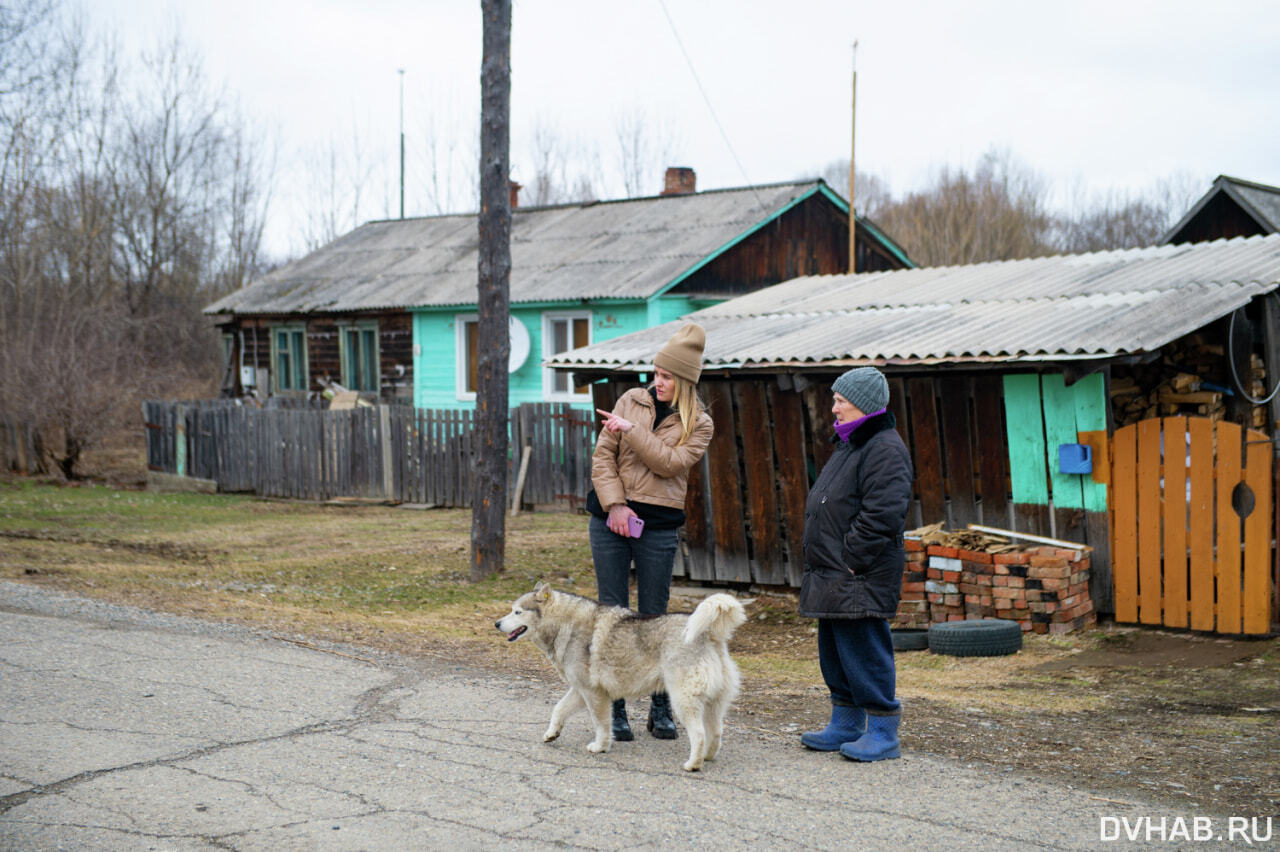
358 351
560 333
228 363
289 355
468 355
228 347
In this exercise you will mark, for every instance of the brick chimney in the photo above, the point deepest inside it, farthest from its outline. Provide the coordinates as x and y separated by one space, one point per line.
680 180
515 193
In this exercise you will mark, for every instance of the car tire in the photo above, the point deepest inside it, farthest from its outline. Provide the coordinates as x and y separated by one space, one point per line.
910 639
986 637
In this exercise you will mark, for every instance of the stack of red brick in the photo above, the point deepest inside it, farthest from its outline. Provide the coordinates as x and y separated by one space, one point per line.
1045 589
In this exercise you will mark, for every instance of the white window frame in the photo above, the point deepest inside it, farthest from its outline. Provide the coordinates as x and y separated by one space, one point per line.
549 393
460 360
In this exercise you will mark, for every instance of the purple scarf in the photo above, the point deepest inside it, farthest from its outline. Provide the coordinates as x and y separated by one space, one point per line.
845 430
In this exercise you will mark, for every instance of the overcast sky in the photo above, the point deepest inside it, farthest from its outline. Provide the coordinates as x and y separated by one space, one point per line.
1095 96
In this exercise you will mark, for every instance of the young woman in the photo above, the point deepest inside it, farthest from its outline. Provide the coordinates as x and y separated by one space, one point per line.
639 473
853 556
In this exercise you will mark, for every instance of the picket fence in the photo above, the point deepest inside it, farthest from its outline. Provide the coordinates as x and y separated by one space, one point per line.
386 452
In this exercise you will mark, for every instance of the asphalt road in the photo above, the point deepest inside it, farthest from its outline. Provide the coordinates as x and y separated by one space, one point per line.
124 729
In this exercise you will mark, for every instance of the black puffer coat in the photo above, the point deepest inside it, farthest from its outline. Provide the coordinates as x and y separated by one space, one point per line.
853 525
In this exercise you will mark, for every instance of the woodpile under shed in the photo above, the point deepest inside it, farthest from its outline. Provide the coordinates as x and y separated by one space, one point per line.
1191 379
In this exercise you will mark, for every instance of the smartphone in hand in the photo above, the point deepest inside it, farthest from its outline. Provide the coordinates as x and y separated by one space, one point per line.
635 526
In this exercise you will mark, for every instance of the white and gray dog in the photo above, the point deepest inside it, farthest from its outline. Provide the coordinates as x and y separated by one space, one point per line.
608 652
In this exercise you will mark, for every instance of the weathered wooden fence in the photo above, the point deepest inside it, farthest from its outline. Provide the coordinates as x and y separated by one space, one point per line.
19 447
746 500
388 452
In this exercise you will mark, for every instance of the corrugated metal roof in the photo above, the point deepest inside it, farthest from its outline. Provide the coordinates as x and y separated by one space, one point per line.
1053 308
1263 200
617 249
1259 200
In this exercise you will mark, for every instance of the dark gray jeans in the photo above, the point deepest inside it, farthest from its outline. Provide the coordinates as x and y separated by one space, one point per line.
654 554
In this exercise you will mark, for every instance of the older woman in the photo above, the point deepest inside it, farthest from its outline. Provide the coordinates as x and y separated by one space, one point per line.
639 473
853 557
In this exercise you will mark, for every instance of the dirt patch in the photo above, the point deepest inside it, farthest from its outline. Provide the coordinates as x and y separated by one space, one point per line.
1147 648
164 549
1189 720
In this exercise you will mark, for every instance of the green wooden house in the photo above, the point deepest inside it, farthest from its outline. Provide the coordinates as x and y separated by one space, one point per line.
389 309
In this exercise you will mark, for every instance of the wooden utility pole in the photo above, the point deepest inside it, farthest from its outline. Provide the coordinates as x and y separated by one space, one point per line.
853 134
489 497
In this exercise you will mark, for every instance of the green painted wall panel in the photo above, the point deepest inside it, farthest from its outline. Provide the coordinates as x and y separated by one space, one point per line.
1060 428
1091 416
434 348
1025 428
674 307
435 366
1042 413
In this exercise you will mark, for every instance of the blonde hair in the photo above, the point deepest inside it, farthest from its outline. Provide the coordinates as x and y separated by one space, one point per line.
685 401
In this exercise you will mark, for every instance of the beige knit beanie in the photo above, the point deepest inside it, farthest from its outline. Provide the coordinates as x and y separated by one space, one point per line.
682 354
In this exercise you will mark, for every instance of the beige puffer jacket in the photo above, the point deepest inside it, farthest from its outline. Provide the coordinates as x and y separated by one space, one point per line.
644 464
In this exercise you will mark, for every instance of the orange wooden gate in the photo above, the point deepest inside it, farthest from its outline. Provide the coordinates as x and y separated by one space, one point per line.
1191 525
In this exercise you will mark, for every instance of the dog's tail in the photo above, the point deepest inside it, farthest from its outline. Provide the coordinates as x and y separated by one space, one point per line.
717 617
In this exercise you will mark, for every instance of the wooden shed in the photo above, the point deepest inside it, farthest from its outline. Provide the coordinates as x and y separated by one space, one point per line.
993 368
1231 208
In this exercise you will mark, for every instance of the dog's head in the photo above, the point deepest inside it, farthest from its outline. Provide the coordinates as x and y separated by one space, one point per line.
525 613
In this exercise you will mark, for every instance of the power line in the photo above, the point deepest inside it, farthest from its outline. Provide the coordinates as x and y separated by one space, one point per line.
711 109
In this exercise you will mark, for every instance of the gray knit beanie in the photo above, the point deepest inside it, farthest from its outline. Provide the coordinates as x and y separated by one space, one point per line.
865 387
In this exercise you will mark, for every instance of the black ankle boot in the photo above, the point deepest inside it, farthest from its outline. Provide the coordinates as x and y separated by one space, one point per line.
660 723
621 730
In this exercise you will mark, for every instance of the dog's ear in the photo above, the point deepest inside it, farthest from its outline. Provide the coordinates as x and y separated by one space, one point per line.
542 593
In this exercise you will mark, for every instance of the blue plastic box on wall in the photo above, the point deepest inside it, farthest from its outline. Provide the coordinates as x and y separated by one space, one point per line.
1075 458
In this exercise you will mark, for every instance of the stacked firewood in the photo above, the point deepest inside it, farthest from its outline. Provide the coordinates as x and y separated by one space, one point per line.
1191 379
1181 393
962 539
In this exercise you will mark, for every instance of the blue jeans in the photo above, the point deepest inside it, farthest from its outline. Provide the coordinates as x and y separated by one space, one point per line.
654 554
856 657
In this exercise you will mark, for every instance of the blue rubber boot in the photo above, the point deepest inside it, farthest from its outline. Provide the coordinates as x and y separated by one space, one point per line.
846 726
879 743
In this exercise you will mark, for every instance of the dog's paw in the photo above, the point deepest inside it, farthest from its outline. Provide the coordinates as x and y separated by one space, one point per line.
550 735
597 747
692 766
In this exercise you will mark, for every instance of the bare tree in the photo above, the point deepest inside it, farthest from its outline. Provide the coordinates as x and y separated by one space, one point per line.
873 193
74 377
450 182
248 198
1000 210
1112 221
645 149
334 189
997 212
488 512
554 162
127 202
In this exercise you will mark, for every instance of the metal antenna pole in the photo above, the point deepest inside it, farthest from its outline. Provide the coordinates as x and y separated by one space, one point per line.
853 112
401 72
